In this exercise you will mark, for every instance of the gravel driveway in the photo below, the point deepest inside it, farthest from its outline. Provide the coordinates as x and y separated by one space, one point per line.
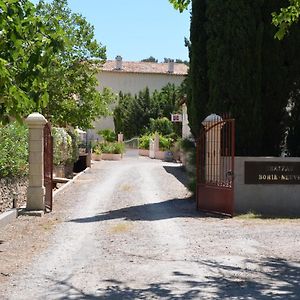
129 230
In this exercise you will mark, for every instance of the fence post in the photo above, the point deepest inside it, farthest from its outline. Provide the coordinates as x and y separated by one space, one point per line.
36 189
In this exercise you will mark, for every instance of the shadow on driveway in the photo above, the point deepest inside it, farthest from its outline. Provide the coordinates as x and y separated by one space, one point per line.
175 208
179 173
274 278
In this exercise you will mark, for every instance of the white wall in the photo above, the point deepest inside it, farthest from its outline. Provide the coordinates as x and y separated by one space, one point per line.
130 83
135 82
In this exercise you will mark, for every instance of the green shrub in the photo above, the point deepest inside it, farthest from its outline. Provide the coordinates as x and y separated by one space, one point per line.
165 143
161 125
187 144
75 145
13 150
108 135
144 141
62 146
107 147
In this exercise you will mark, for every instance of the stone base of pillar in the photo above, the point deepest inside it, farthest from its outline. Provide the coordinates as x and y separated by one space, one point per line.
35 198
31 213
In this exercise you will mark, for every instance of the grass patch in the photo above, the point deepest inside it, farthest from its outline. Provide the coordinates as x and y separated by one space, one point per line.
126 188
249 215
254 215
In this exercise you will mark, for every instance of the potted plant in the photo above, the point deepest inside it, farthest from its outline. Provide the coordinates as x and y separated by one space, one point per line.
112 150
96 154
144 142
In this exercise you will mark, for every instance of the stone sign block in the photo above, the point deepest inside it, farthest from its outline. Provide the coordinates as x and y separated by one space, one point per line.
268 172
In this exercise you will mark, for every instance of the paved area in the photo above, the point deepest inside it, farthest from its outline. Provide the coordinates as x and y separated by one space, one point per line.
129 230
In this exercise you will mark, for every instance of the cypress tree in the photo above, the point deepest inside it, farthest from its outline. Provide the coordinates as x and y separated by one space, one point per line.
197 79
292 60
234 31
238 67
275 86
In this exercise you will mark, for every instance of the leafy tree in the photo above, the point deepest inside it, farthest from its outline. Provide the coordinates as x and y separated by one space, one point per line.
150 59
27 46
133 113
48 64
181 5
162 125
285 18
177 60
73 97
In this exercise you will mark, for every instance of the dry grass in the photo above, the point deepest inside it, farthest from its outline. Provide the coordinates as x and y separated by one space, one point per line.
120 228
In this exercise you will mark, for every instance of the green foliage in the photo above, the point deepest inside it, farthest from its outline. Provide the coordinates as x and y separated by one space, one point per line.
109 147
13 150
73 96
150 59
187 145
189 148
180 5
286 18
62 146
108 135
27 46
165 143
293 137
144 141
236 66
75 145
48 62
197 83
133 113
162 125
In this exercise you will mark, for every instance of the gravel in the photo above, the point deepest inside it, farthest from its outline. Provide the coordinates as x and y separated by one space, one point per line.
129 230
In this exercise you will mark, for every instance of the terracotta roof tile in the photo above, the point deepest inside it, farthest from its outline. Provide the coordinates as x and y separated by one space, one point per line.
145 67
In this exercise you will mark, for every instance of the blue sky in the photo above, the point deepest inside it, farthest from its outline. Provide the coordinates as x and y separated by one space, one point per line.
136 29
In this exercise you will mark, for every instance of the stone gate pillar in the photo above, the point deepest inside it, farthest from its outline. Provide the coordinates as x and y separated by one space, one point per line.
120 137
36 189
213 125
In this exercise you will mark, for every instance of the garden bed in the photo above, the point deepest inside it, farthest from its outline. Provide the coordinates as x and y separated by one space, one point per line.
111 156
144 152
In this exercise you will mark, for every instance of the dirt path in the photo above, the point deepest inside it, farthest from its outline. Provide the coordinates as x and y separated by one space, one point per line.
128 230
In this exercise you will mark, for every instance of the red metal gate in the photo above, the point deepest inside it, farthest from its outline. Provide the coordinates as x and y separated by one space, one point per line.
48 166
215 165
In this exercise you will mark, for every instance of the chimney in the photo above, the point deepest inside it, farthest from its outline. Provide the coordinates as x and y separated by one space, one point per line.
118 62
171 65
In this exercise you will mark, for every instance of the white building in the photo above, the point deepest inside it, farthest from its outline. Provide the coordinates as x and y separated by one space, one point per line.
132 77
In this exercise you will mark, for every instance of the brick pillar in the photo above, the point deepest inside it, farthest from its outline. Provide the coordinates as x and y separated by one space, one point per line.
36 189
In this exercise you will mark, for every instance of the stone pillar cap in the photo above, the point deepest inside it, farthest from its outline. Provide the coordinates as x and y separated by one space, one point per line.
213 118
36 119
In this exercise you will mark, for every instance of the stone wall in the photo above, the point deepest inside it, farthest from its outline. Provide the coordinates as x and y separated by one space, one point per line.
9 187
